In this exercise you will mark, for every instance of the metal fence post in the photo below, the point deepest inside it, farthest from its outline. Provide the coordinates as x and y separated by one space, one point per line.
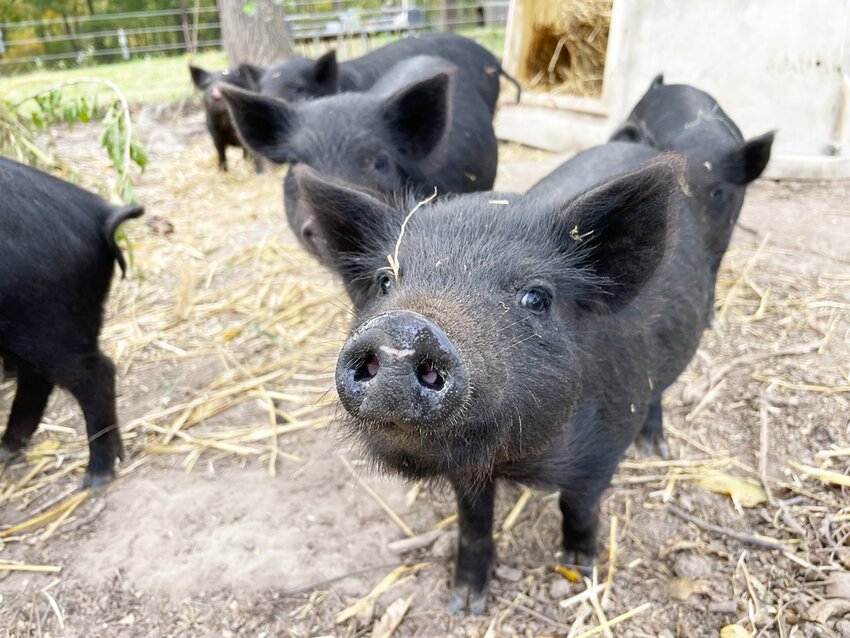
122 42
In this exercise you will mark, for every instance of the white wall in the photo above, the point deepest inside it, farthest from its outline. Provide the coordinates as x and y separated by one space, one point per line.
771 64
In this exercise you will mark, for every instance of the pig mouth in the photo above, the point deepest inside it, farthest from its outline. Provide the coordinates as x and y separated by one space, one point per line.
451 448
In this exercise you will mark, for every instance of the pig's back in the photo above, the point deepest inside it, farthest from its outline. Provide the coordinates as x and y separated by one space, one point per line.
670 114
589 168
52 236
477 67
411 70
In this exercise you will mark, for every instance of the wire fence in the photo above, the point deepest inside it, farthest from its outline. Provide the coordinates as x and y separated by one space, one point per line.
76 41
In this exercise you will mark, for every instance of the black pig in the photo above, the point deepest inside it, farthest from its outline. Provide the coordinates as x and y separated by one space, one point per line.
414 129
57 252
682 118
582 172
218 118
301 78
522 337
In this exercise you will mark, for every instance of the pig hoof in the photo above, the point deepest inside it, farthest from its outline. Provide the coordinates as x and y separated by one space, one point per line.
644 445
478 604
461 595
652 445
7 454
579 561
95 480
457 601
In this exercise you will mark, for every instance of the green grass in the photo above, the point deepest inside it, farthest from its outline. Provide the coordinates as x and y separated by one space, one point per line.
145 80
491 38
166 79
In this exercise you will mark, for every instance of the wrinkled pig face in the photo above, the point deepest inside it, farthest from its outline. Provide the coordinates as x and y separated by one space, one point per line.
466 355
718 179
373 142
206 81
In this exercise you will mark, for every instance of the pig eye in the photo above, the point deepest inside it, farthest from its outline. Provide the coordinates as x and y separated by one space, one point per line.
385 283
716 194
535 300
382 163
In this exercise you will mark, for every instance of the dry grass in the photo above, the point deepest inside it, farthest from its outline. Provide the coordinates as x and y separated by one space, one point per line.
250 316
569 56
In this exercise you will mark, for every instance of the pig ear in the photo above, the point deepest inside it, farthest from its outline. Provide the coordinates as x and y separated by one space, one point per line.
264 123
344 223
619 231
657 81
201 78
748 160
628 132
251 72
418 115
326 73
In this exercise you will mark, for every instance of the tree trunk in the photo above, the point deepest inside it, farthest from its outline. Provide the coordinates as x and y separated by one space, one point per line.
183 20
260 38
71 36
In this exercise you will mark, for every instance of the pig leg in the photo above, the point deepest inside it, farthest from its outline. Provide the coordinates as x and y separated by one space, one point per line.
475 548
7 370
94 389
220 148
651 436
579 503
580 526
27 409
258 164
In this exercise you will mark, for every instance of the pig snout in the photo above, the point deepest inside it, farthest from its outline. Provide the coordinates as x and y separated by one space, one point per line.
401 368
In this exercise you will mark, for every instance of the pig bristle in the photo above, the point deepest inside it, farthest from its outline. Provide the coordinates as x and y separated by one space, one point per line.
394 265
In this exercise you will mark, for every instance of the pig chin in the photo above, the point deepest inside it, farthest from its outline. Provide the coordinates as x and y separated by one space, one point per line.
469 452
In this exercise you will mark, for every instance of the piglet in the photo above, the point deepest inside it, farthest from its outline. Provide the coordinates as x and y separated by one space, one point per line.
57 254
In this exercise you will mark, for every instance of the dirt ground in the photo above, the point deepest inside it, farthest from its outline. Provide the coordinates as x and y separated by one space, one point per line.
239 511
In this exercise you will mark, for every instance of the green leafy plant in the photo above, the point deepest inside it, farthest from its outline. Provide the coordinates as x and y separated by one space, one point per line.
21 121
49 106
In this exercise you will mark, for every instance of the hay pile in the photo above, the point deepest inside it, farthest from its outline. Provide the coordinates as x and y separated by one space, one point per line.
568 56
221 314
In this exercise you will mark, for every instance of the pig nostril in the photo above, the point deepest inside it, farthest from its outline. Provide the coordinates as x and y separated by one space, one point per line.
367 369
429 377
